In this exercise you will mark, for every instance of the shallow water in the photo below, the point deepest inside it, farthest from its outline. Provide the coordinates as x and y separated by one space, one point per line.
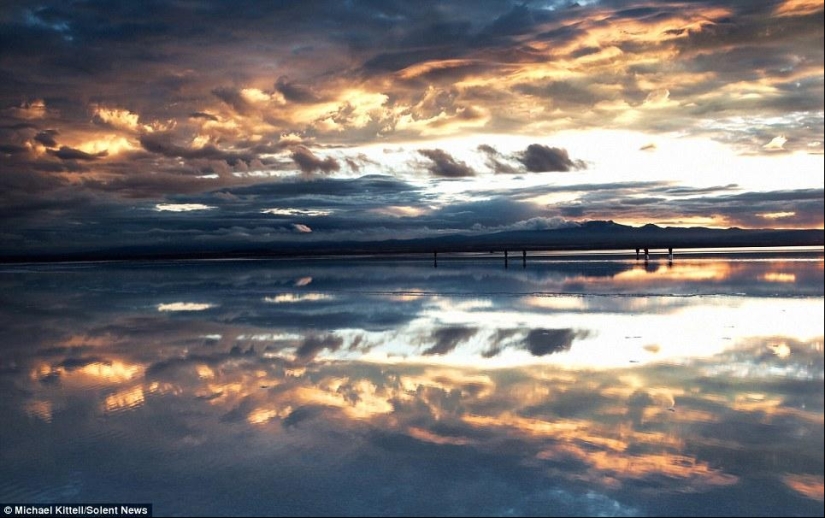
599 386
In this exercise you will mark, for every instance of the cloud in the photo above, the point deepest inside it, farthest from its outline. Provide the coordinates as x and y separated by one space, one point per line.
204 115
447 338
387 188
233 98
538 158
181 207
308 163
68 153
301 228
777 144
185 306
118 118
444 165
294 92
521 65
46 137
719 204
498 342
541 342
12 149
495 160
160 143
660 96
295 212
29 110
314 344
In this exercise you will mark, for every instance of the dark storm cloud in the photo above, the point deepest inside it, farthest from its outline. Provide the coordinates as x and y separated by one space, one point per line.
447 338
538 158
445 166
68 153
308 163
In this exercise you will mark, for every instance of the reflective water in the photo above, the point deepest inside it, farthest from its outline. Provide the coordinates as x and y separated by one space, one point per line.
569 387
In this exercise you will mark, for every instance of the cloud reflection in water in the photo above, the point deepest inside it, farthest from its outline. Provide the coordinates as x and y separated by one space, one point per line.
469 397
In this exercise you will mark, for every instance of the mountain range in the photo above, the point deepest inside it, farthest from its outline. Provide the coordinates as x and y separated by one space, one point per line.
590 235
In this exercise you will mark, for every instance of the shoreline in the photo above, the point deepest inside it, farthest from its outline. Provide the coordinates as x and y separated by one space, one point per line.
514 256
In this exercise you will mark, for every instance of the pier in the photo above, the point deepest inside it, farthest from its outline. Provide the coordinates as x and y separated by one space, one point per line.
647 254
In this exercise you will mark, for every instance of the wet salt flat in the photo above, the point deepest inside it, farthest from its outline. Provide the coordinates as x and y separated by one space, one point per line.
603 386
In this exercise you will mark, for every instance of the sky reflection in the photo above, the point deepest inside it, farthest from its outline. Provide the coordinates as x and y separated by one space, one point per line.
565 388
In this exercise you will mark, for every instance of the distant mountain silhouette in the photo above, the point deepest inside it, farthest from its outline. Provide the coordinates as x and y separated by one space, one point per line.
590 235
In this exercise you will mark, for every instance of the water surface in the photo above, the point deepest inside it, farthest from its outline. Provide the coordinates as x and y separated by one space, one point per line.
604 386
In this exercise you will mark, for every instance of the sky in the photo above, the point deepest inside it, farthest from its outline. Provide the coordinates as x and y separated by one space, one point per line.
219 124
